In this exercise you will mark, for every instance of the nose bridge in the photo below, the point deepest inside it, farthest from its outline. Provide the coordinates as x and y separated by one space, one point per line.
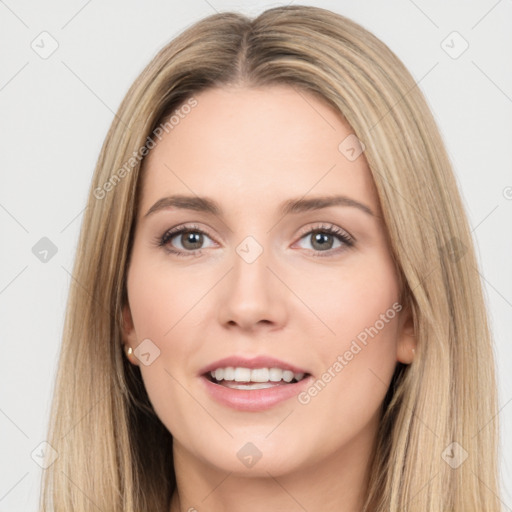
250 265
250 279
251 291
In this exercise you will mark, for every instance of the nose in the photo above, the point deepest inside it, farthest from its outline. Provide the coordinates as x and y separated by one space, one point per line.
252 297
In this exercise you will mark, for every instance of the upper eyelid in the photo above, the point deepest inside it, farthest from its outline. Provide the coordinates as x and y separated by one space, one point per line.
326 226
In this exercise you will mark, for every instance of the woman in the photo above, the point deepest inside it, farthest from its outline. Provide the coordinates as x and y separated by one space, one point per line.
275 303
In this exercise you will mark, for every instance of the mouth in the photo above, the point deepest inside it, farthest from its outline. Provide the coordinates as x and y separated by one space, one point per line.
253 384
243 378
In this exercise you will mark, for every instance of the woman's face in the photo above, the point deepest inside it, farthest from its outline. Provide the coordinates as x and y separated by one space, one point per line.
284 269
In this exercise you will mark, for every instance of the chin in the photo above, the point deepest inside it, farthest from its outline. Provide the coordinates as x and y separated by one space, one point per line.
248 453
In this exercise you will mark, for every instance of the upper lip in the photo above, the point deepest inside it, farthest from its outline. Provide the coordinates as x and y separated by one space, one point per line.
253 362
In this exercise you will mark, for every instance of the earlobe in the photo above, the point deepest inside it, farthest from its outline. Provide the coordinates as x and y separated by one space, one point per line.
128 335
406 344
130 355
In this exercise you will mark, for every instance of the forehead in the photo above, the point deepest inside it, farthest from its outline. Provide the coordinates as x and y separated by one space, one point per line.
247 146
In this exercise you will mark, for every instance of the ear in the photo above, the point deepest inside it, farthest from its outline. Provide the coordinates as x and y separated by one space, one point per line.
128 334
406 342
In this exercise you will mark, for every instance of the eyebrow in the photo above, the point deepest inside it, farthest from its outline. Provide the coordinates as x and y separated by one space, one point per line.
291 206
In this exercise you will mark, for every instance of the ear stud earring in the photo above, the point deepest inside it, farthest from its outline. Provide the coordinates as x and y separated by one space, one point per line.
129 352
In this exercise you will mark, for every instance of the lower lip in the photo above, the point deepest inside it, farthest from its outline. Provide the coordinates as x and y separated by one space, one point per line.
256 399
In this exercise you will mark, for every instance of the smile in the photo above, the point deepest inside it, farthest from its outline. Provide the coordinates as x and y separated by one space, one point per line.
253 383
255 378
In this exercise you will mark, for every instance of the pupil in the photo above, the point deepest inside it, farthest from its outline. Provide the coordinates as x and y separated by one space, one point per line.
193 239
322 240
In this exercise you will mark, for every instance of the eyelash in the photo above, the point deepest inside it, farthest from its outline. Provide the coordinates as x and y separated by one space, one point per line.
343 236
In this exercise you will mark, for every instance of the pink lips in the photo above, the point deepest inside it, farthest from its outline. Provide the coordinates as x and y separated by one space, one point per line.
256 399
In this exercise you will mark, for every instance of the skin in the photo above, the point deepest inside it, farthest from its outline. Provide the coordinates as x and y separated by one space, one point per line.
251 149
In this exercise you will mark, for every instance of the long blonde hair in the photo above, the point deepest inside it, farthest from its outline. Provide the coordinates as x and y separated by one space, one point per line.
114 454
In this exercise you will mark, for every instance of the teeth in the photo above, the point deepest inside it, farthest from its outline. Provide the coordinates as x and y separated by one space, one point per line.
256 385
287 376
261 375
275 374
241 374
229 373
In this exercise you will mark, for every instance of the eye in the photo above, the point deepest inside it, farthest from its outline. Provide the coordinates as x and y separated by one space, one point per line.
326 239
188 240
184 240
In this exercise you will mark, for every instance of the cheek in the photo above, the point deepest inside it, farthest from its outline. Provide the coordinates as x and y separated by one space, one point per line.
353 301
167 304
161 297
359 355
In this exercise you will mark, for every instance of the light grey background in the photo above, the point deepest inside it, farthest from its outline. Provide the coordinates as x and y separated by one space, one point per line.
55 113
